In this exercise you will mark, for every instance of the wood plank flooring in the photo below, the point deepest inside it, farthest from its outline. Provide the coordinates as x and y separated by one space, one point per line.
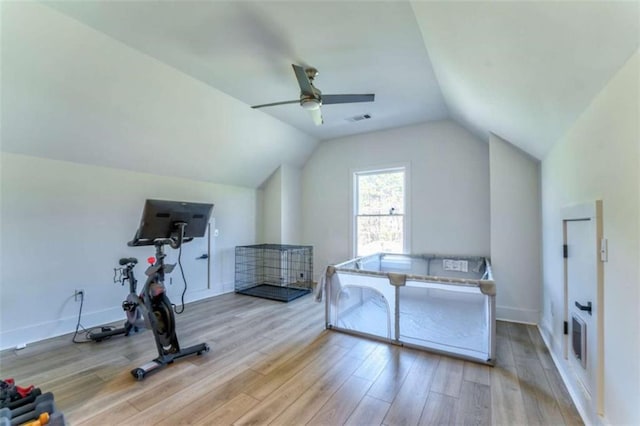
273 363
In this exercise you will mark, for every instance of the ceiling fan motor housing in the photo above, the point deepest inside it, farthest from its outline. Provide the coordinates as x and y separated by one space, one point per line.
311 73
310 103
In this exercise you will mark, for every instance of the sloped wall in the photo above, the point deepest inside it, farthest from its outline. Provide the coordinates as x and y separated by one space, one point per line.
599 158
72 93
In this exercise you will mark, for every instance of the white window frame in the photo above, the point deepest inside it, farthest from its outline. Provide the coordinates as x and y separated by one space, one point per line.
406 244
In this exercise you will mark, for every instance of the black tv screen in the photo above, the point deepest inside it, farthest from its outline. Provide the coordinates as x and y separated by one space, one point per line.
159 219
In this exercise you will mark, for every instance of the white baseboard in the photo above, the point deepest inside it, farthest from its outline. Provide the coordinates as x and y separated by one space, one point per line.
202 294
526 316
35 333
46 330
589 416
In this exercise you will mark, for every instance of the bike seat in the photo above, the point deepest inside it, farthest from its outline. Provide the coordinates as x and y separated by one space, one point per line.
127 260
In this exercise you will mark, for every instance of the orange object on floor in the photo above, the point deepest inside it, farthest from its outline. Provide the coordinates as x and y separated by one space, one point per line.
42 420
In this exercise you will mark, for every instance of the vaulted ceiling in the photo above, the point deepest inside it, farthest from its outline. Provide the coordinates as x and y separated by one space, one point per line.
523 70
246 50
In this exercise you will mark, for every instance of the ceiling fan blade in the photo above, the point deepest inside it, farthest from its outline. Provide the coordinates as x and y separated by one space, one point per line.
347 99
297 101
303 81
316 116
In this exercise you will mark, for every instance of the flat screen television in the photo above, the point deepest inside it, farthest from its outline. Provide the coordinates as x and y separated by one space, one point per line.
160 218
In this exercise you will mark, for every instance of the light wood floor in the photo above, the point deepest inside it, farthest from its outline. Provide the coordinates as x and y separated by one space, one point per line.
273 363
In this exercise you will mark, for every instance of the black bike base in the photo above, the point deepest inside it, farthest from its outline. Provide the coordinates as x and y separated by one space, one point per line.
105 334
141 372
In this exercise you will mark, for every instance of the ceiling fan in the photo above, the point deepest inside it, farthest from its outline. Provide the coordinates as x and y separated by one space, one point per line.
311 98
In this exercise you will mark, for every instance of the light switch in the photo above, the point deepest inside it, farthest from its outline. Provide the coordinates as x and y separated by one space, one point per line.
604 250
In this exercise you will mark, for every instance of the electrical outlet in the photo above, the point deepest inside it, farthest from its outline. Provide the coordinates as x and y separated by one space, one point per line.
78 294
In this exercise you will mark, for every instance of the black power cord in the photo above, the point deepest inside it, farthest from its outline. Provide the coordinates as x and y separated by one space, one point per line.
184 280
80 326
185 283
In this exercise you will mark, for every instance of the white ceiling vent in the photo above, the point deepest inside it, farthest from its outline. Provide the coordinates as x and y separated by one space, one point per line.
359 117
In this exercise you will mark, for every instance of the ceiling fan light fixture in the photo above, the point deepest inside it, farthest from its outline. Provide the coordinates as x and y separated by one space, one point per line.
310 104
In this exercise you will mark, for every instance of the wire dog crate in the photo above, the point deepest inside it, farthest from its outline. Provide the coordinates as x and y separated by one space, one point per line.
274 271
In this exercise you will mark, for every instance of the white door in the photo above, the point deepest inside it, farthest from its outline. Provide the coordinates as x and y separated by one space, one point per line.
582 252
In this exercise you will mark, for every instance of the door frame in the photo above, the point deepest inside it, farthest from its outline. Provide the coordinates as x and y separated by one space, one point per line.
588 211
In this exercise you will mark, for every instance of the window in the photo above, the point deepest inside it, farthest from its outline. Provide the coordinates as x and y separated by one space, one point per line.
380 211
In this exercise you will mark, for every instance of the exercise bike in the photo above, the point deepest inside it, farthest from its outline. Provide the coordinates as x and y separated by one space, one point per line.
130 306
165 223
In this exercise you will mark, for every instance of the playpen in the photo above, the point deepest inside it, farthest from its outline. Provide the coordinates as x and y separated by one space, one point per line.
444 304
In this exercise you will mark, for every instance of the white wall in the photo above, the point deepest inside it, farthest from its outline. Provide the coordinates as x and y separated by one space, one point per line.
449 187
291 219
515 231
65 225
599 158
271 189
281 206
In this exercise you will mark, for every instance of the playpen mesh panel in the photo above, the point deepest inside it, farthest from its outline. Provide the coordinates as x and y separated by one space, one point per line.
444 319
274 271
364 310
